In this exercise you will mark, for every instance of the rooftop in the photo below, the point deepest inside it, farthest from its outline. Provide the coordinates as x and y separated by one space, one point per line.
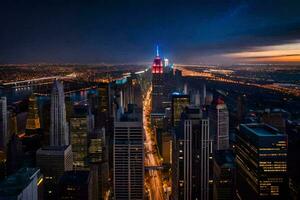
262 130
54 150
16 183
75 177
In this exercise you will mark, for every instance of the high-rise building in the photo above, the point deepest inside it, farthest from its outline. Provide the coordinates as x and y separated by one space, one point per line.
224 175
15 154
219 124
3 123
53 162
128 159
241 109
203 96
33 120
275 118
24 184
79 140
167 148
103 107
76 185
191 157
2 165
59 133
179 102
157 84
96 161
261 158
12 124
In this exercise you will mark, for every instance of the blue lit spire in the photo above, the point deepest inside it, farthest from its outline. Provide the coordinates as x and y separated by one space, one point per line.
157 51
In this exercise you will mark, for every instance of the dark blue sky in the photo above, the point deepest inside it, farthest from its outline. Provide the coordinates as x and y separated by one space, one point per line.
90 31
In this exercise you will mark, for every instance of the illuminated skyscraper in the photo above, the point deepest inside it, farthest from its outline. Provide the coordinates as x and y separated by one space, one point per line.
179 102
3 123
128 159
157 84
261 158
59 133
33 120
191 161
219 124
79 140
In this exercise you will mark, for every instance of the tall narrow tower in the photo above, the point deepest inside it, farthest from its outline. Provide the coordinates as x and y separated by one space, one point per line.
3 123
191 156
59 133
157 84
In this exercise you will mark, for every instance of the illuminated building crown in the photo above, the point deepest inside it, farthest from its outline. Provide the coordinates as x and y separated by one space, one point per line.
157 66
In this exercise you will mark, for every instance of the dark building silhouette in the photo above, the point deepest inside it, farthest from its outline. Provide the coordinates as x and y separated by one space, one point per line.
224 175
261 161
76 185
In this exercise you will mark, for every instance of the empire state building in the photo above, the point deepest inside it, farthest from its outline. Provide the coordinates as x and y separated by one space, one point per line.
157 84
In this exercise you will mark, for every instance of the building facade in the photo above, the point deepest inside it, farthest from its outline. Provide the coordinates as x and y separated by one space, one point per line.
3 124
79 141
261 161
157 84
179 102
219 124
33 124
59 133
53 162
128 160
191 160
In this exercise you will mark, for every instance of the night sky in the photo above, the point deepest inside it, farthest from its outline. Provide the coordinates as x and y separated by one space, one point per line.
90 31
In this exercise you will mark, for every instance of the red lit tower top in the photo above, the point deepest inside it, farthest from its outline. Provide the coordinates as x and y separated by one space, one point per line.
157 66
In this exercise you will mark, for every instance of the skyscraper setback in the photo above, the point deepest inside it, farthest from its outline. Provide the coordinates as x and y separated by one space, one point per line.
157 84
59 133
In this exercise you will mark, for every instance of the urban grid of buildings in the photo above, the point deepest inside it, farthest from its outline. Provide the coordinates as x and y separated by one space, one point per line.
149 135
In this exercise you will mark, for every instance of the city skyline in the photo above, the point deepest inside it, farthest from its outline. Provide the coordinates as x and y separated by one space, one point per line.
149 100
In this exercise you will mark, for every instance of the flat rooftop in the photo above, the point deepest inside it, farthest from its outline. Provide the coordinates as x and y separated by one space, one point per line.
262 130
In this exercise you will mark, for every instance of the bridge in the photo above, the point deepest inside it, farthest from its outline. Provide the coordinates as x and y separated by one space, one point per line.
33 82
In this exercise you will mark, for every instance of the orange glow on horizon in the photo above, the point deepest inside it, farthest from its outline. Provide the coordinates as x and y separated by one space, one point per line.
295 58
289 52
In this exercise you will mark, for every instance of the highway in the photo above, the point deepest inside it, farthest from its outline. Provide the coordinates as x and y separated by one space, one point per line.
153 178
209 76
